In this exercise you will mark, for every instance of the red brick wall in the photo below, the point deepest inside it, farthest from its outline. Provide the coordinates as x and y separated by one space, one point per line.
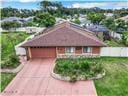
96 50
61 50
78 50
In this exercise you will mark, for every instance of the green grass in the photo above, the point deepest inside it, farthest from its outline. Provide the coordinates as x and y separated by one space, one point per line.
115 83
6 79
114 43
8 42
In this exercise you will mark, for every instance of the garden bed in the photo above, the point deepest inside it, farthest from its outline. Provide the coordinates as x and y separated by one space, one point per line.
9 59
77 69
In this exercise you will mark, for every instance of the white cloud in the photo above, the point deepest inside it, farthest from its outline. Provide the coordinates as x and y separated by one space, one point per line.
22 1
29 0
88 5
123 4
117 5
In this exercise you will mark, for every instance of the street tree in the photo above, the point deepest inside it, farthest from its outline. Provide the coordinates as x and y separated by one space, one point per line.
45 19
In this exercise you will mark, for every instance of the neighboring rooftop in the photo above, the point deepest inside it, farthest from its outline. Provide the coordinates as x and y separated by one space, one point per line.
97 28
125 18
65 34
17 19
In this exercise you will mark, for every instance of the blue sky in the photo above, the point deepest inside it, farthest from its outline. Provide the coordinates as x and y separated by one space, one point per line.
33 4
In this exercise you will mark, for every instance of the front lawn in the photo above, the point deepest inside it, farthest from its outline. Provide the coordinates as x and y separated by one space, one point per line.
8 42
77 69
6 79
115 82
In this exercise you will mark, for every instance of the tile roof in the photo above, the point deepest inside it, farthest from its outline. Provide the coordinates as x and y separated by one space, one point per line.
97 28
64 35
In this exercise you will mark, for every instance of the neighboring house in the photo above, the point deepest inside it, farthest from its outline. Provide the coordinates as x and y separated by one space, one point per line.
17 19
125 18
11 19
108 15
62 41
34 29
84 21
100 30
29 18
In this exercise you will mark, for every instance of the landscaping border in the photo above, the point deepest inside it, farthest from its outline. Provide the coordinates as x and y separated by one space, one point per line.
17 69
67 78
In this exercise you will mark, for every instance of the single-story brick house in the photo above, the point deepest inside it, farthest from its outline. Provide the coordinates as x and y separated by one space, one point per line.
64 40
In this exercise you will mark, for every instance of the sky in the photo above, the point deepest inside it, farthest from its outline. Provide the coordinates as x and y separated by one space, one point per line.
34 4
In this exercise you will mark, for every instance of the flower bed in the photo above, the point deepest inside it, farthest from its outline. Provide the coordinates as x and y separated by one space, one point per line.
77 69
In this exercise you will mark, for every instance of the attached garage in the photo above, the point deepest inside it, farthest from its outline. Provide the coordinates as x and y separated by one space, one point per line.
43 52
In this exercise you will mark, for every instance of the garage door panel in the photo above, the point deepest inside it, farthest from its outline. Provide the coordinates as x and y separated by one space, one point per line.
43 52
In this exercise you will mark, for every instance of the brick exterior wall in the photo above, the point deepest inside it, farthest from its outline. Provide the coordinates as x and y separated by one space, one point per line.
78 50
95 50
78 53
61 50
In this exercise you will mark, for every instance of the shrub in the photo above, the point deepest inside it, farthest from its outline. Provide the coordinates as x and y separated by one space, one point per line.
85 65
11 61
73 78
125 38
75 68
98 67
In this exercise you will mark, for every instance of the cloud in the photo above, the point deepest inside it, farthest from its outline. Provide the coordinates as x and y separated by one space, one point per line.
88 5
121 4
22 1
115 5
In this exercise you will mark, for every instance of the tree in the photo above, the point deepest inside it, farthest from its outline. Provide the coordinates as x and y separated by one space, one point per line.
121 24
45 19
29 23
10 24
77 21
109 23
96 18
114 25
125 38
45 5
13 12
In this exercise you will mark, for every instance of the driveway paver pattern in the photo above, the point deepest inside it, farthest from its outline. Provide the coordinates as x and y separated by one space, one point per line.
35 80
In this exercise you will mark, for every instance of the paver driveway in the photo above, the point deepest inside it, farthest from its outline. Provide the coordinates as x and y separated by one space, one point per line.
35 80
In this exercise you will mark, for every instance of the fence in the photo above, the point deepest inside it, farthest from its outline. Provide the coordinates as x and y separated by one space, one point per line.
26 29
115 35
114 51
20 50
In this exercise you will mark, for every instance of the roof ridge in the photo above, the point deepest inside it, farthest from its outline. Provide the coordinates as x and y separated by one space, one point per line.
54 26
80 27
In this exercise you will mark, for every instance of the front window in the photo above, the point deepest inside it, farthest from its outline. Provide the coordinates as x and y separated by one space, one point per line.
87 49
69 50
